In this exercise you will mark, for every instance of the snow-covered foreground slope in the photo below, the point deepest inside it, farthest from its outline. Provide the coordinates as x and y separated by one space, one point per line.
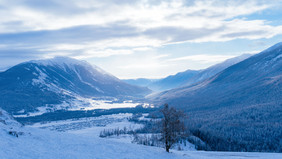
45 144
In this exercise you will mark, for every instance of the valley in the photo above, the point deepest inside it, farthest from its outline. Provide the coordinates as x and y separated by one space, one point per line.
140 79
231 106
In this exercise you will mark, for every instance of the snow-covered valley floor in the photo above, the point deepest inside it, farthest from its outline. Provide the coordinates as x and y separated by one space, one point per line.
83 142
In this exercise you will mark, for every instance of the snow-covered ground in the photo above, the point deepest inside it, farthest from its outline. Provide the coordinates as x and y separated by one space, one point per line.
83 142
91 126
44 144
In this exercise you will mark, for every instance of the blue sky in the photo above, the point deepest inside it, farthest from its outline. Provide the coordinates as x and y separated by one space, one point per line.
143 38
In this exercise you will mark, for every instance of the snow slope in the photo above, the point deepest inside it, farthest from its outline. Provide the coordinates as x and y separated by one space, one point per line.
44 144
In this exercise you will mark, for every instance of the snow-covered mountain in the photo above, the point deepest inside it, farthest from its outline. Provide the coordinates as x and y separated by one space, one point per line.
172 81
169 82
211 71
241 104
37 83
258 75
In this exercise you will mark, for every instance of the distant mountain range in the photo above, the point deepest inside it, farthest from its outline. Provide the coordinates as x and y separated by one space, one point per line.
245 97
185 78
172 81
211 71
36 83
142 82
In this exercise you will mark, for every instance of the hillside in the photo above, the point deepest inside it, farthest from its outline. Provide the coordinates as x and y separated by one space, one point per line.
241 104
254 80
213 70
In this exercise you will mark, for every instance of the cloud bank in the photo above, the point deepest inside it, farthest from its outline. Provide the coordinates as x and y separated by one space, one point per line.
94 28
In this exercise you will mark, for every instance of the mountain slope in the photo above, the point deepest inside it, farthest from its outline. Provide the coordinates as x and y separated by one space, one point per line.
7 122
242 104
256 78
37 83
172 81
211 71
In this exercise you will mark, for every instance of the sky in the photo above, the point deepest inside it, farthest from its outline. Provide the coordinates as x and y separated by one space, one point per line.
140 38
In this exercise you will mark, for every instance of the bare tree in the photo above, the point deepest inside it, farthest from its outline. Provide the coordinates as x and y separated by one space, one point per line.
172 126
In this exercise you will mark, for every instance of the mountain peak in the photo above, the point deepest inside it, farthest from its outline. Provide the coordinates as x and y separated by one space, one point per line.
60 60
63 61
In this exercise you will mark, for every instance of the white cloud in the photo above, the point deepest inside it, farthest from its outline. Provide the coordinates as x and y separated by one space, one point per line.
93 28
102 48
142 15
